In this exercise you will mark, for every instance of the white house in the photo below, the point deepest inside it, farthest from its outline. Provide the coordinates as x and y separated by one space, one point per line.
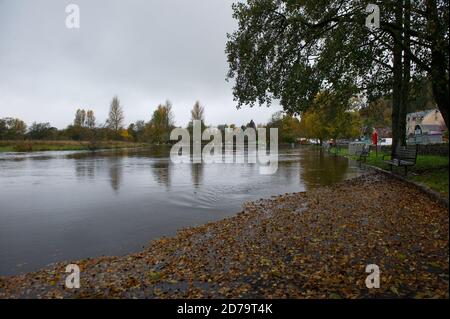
425 127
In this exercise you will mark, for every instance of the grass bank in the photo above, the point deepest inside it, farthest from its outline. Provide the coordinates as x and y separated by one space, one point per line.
64 145
430 170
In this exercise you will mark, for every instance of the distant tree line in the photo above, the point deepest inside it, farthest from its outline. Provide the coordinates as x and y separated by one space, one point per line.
331 117
85 126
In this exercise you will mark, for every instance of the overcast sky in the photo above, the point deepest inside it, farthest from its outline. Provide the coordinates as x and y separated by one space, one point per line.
145 51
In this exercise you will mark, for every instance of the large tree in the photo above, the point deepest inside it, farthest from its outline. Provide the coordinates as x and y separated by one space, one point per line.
330 117
197 114
80 118
288 126
116 117
90 119
290 50
162 122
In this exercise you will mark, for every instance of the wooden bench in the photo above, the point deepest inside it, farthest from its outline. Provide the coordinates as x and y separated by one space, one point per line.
363 153
403 156
360 150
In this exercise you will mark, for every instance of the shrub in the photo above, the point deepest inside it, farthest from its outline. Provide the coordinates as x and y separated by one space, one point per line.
24 146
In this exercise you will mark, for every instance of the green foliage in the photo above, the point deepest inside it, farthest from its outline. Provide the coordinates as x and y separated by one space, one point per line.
291 50
84 127
137 131
12 128
330 117
288 127
77 133
377 114
41 131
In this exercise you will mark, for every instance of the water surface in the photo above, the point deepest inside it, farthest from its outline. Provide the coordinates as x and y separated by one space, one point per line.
58 206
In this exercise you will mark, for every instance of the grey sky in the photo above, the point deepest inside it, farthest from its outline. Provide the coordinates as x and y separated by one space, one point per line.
145 51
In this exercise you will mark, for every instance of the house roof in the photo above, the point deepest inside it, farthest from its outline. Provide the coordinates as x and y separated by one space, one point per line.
430 127
421 113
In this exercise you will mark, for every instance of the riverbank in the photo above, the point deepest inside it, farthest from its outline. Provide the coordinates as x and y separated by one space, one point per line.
430 170
64 145
314 244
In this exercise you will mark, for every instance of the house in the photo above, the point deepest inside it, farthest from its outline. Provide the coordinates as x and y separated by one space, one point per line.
425 127
428 117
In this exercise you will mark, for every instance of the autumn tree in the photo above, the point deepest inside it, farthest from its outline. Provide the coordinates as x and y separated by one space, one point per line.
291 50
116 117
162 122
330 118
313 125
288 126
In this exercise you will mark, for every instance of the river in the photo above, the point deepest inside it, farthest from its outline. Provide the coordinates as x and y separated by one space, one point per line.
68 205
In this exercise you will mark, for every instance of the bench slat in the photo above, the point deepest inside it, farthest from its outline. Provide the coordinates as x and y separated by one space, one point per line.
406 154
397 162
403 156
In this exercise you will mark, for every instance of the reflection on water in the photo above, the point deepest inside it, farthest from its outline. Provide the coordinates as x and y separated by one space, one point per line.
161 169
69 205
197 174
115 172
319 168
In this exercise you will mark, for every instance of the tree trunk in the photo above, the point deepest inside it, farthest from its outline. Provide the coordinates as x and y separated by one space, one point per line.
406 75
397 95
440 93
438 73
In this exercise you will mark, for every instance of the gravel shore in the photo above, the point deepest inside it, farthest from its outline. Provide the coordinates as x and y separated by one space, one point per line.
313 244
